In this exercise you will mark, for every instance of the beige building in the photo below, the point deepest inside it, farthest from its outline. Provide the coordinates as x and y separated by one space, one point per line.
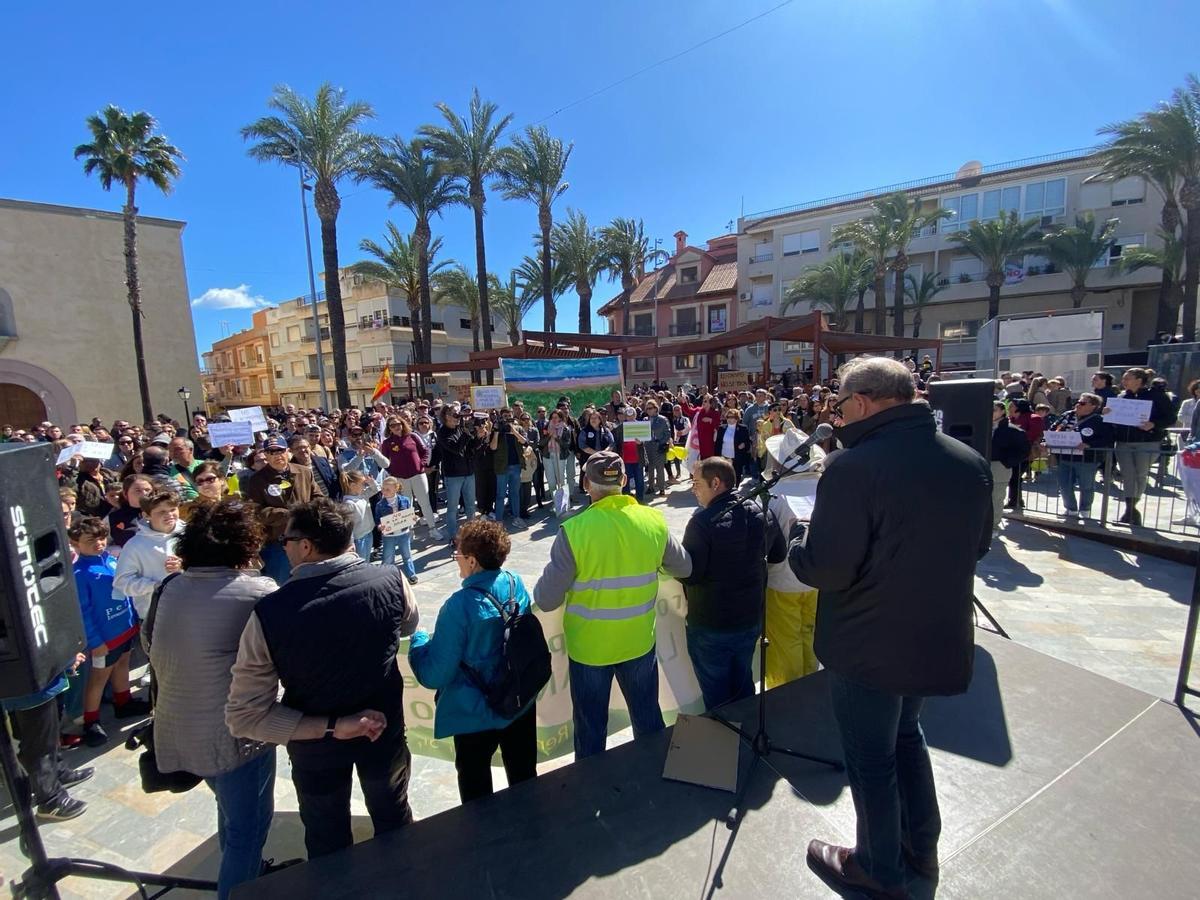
775 246
378 333
238 371
66 346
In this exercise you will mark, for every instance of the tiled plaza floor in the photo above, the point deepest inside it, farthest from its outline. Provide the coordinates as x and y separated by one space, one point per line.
1100 608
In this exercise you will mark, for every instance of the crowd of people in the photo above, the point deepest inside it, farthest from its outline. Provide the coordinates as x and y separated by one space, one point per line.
235 568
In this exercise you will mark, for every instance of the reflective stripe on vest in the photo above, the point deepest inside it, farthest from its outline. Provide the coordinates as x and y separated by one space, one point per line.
618 546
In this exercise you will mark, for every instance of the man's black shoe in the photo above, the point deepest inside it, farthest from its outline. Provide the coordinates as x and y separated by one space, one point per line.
60 811
76 776
132 709
837 867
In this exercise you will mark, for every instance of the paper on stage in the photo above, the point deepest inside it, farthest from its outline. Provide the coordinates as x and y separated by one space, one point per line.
703 751
1126 411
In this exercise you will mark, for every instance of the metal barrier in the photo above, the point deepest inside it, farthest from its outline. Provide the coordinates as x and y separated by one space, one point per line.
1164 506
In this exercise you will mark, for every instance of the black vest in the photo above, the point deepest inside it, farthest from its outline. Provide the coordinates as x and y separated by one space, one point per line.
333 639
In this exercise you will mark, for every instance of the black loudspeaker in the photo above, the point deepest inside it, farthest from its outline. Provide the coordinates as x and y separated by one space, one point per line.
41 628
963 410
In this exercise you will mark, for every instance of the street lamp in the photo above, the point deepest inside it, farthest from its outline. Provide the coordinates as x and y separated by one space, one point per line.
312 282
185 395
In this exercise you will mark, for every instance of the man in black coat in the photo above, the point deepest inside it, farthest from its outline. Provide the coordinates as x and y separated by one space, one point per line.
894 622
727 542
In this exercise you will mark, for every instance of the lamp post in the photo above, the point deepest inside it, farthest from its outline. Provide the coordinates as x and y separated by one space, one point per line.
659 258
312 283
185 395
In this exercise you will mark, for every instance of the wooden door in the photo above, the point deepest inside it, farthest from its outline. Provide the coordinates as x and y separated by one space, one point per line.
20 407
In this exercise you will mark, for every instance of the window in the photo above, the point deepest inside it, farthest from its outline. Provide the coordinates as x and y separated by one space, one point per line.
762 252
965 209
274 339
464 323
959 331
293 334
278 374
965 265
297 370
643 324
1000 202
1046 198
258 353
242 357
221 388
718 320
687 275
689 361
793 347
264 387
1115 251
1095 195
801 242
762 294
914 271
1128 191
643 364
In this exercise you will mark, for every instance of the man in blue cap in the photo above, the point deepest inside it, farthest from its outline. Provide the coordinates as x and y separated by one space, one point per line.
276 487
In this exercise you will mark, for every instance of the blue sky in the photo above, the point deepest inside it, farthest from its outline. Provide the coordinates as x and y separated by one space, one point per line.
811 100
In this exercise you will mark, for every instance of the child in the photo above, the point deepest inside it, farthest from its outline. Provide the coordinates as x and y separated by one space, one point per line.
149 556
110 624
393 501
364 523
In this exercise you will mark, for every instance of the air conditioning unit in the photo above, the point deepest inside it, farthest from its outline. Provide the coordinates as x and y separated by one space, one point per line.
745 295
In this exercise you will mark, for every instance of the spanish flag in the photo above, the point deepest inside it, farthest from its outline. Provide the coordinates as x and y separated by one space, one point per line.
384 384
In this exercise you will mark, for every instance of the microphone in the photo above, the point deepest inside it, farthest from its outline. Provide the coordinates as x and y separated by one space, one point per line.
823 432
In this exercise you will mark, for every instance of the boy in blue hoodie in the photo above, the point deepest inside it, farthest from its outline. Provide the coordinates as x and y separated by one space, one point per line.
110 625
391 502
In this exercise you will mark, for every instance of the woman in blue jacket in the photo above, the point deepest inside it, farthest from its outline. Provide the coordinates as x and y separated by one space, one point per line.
470 632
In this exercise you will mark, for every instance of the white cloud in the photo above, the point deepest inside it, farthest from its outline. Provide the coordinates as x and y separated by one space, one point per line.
229 298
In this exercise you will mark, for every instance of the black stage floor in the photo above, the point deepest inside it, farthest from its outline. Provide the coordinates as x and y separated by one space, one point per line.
1053 782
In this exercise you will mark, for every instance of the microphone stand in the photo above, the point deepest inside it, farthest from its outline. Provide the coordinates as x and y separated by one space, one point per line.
760 742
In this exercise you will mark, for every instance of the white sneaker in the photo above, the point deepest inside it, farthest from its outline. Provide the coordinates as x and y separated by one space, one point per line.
1085 515
520 523
1072 514
437 534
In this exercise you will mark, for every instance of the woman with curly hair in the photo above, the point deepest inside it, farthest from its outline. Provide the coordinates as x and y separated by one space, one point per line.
193 631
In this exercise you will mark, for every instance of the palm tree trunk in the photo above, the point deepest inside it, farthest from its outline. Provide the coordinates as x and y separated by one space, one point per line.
135 300
1167 317
626 293
898 304
485 310
994 296
1191 273
585 306
548 310
414 321
1078 292
860 313
333 306
422 234
880 292
917 325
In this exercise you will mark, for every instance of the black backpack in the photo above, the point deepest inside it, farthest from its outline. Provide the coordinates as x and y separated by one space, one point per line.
524 659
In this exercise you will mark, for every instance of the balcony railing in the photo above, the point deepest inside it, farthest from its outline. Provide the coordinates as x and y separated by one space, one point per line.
395 322
683 329
643 330
763 257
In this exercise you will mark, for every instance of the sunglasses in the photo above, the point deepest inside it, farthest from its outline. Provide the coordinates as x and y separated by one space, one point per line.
125 441
288 538
273 451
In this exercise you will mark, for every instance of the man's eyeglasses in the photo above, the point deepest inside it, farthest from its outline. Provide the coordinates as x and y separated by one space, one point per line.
288 538
274 451
836 408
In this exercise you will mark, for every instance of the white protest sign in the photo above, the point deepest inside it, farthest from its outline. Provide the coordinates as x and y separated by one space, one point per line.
252 414
487 396
636 431
1126 411
1063 441
223 434
86 449
398 522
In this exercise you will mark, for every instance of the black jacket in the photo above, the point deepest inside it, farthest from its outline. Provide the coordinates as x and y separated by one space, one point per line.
726 541
1010 445
454 451
741 456
1094 432
1162 415
894 611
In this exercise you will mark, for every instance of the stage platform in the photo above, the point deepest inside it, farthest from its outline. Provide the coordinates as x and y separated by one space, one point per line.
1053 783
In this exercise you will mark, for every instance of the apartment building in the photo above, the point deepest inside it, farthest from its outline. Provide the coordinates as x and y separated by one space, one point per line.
237 370
378 333
691 297
775 246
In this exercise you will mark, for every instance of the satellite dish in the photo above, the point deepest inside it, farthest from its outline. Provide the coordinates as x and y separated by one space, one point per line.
970 169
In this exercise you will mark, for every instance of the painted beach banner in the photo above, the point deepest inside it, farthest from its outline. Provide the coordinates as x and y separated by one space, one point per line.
540 382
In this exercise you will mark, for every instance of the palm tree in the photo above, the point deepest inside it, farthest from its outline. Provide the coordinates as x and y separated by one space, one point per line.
624 250
993 243
907 221
323 135
921 295
873 236
1168 258
125 149
513 301
828 285
530 280
418 181
457 287
579 251
865 281
533 170
396 266
1077 249
471 147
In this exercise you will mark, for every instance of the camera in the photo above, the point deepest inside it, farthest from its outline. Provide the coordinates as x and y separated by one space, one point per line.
504 427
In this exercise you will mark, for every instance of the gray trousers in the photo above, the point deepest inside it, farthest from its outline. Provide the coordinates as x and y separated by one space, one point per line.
1135 458
656 469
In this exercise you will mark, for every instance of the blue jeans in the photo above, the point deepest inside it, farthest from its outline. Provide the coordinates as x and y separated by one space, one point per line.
721 660
458 486
275 562
637 481
245 805
591 687
891 780
401 543
510 481
1071 471
362 546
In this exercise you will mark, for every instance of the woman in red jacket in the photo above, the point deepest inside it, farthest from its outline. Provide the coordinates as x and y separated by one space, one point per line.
408 457
708 420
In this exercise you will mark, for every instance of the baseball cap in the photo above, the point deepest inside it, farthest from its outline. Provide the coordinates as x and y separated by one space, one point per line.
605 468
275 443
162 438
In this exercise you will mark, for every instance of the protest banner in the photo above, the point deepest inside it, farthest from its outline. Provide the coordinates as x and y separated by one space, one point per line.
733 381
86 449
540 382
225 434
1126 411
636 431
398 522
1063 441
462 392
487 396
252 414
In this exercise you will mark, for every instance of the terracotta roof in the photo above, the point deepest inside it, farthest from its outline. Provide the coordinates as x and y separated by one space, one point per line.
722 277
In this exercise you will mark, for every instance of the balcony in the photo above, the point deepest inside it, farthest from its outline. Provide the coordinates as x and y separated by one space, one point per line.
684 329
763 257
643 331
395 322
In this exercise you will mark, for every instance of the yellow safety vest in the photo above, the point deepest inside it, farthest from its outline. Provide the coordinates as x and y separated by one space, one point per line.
618 547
